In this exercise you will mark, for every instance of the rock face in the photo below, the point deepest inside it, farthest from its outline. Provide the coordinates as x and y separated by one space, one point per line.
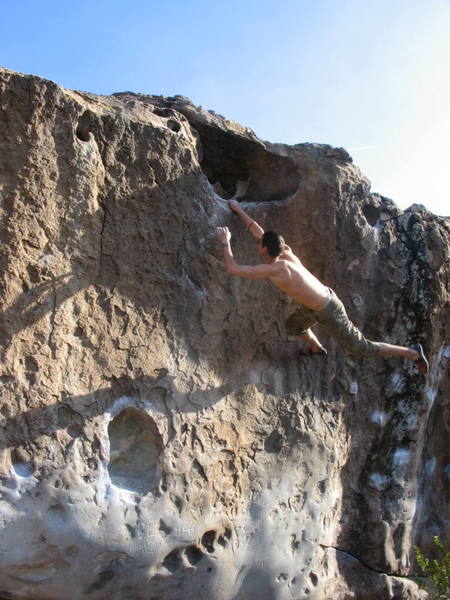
160 437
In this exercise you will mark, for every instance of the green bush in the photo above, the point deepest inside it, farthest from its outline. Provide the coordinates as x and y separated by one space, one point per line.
436 572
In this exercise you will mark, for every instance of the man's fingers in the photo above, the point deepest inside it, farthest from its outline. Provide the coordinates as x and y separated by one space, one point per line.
222 232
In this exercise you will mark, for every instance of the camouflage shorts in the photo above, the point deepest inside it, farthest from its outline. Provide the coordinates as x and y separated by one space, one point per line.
333 320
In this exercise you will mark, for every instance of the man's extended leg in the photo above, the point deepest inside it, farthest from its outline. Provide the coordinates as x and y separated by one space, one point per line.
415 354
391 350
334 320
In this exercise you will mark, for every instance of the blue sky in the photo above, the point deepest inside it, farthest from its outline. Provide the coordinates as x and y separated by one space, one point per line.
372 77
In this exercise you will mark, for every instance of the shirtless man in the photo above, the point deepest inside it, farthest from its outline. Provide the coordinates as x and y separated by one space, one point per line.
318 303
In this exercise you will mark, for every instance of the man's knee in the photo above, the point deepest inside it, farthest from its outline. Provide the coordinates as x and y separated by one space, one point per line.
299 323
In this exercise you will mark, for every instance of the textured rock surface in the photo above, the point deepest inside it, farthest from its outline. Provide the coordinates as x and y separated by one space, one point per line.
160 438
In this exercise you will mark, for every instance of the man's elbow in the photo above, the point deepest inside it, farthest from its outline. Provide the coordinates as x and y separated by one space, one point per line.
232 267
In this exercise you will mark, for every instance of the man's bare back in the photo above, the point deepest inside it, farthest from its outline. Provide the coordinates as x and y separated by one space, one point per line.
297 282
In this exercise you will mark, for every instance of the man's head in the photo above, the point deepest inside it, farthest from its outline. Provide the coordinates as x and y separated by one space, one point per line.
273 242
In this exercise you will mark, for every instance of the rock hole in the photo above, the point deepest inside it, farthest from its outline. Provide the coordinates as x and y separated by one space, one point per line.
83 134
34 274
225 537
314 578
164 527
22 464
173 125
135 446
131 531
372 214
83 127
178 502
207 541
200 470
163 112
274 442
172 562
322 485
31 366
228 159
194 555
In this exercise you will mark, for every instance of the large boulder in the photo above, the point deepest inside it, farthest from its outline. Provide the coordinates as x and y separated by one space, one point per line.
161 439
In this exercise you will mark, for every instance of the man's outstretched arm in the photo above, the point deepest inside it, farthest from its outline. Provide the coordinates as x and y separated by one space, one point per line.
233 268
256 230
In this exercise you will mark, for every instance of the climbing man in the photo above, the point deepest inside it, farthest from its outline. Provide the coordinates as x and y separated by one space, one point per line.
318 303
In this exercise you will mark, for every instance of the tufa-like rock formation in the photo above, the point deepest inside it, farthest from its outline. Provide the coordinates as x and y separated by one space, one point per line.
160 438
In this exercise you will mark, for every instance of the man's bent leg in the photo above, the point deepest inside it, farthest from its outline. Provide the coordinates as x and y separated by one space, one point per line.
299 324
312 340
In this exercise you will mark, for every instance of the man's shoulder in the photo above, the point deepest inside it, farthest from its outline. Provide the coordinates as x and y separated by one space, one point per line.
289 258
282 266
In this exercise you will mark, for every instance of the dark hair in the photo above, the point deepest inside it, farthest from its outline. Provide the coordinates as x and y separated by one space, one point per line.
273 242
